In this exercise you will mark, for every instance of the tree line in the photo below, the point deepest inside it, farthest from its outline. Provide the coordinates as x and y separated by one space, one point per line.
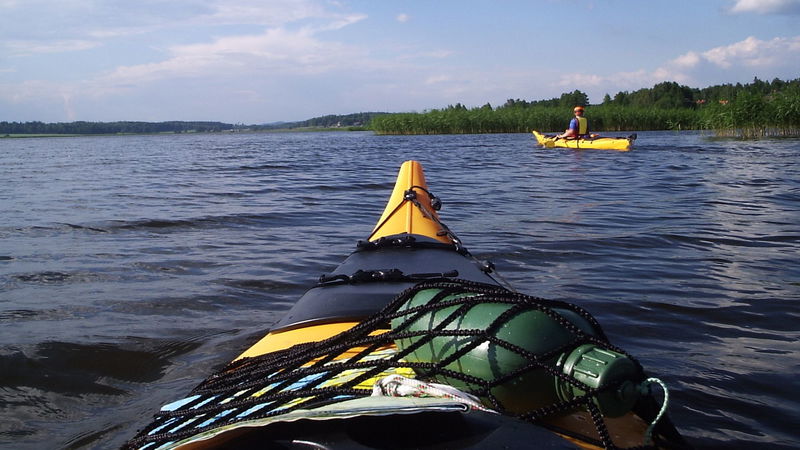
349 121
760 108
124 127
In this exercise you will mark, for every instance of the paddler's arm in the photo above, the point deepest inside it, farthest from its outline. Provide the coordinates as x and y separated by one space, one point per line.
571 132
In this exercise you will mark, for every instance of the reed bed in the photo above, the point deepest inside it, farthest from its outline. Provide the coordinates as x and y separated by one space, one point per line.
749 115
523 120
754 116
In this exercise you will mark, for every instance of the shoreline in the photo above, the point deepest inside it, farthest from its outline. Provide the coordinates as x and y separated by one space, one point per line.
173 133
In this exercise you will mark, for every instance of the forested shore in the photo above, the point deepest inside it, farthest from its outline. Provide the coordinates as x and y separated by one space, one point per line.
347 122
757 109
122 127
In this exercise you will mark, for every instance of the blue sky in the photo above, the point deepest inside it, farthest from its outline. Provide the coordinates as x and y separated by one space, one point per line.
259 61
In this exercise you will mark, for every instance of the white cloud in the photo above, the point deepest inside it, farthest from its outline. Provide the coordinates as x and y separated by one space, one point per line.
93 22
288 47
27 90
778 57
275 50
581 79
260 12
438 79
36 47
403 18
754 52
687 60
766 6
411 54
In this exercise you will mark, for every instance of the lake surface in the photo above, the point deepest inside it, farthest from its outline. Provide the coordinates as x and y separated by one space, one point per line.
132 267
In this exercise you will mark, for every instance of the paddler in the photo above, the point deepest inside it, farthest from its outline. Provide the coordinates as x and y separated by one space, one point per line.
578 126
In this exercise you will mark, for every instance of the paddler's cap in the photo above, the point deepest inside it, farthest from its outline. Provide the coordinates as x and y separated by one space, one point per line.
578 108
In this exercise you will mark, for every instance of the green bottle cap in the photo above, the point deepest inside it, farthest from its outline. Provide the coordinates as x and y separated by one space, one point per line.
597 367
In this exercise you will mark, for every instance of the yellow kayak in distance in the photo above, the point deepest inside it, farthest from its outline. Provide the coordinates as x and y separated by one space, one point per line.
622 144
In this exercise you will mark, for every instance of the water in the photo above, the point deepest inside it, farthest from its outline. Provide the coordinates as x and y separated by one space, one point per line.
132 267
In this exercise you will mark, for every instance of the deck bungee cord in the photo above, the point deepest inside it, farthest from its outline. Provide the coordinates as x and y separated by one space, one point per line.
363 357
648 434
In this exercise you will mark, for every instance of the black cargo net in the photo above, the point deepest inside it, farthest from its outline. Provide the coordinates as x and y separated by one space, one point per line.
299 378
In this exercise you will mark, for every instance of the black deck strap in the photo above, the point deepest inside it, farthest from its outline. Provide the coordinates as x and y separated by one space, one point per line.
411 196
436 203
381 275
407 241
401 240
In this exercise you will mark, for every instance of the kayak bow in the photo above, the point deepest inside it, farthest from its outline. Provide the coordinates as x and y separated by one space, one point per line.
412 332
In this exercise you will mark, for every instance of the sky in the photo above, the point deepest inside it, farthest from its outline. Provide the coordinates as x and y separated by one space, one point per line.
263 61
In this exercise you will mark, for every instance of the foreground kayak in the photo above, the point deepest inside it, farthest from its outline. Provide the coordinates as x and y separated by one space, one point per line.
413 343
600 143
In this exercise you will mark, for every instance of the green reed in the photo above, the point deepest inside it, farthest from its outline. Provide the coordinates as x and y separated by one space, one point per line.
752 116
749 115
523 120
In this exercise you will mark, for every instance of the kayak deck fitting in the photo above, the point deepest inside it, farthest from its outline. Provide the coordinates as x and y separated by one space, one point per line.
412 343
600 143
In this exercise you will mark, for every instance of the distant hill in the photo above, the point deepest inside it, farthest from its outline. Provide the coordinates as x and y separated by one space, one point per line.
330 121
12 129
122 127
